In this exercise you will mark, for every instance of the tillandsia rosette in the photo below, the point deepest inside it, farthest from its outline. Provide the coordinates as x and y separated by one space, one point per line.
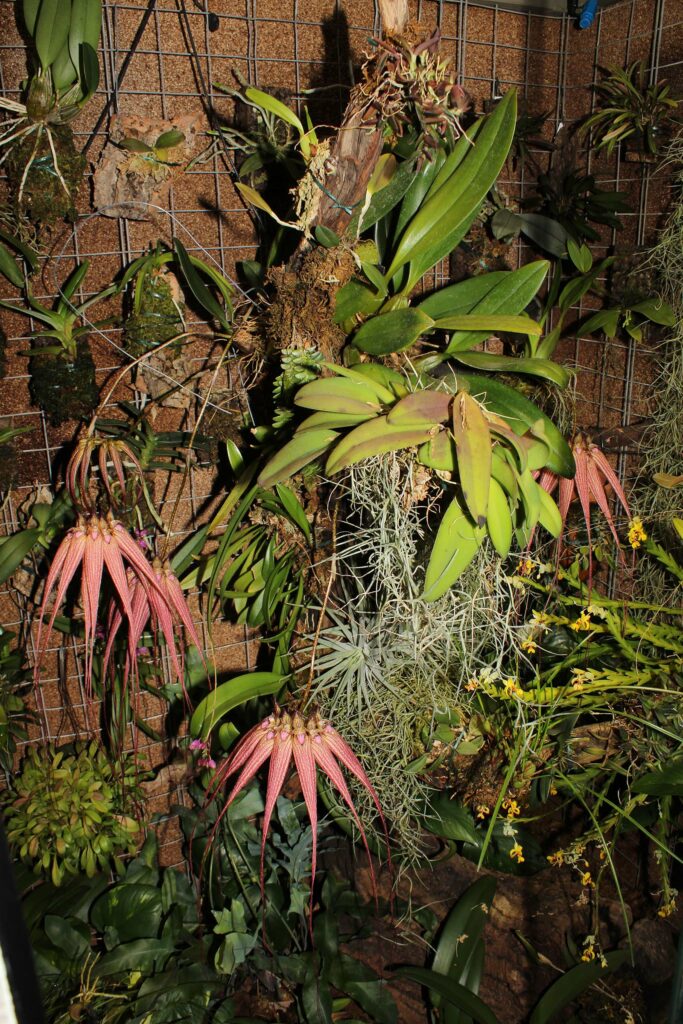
43 166
73 809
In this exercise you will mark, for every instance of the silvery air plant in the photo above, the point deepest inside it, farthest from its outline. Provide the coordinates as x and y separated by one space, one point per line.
143 591
311 742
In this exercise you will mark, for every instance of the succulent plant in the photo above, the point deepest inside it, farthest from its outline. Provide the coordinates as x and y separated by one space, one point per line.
66 810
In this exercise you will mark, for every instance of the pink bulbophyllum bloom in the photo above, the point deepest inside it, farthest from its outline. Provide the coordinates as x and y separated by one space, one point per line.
311 742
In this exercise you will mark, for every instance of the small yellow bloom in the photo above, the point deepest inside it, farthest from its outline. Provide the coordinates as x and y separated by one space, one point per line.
553 789
583 623
526 567
482 810
512 687
636 532
588 954
541 618
556 859
529 646
587 880
667 909
512 808
516 853
472 684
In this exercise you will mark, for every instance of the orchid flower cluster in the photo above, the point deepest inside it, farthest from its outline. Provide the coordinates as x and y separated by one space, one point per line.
144 593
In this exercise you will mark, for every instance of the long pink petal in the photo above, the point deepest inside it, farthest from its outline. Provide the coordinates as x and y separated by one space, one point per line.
91 586
583 489
600 460
178 603
347 757
162 617
279 764
328 764
548 480
74 544
565 496
598 491
305 765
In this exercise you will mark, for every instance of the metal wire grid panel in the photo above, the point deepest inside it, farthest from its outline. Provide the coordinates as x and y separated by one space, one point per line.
175 68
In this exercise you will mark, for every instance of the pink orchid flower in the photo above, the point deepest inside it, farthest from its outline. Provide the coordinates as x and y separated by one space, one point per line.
110 453
593 472
312 743
140 590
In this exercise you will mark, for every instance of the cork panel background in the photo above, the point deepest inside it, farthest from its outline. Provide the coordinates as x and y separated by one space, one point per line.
292 46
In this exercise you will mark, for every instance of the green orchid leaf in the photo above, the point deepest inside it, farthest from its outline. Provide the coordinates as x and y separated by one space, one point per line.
463 297
489 324
201 293
522 415
580 255
14 549
304 447
51 30
354 299
392 332
450 820
373 438
487 361
230 695
168 140
668 781
86 22
457 542
572 984
9 269
452 991
421 409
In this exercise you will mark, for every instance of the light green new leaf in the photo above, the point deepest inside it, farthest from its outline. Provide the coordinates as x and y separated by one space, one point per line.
334 394
274 106
304 447
375 437
489 324
86 22
230 695
457 542
392 332
473 446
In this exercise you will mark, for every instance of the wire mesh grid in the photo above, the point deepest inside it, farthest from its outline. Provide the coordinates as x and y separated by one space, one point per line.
162 60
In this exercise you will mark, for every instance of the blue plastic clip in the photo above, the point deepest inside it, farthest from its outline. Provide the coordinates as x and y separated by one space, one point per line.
588 12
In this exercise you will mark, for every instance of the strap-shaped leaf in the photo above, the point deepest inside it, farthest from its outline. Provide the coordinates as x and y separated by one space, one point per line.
51 29
304 447
375 437
544 368
511 293
572 984
201 293
473 446
86 22
30 11
452 991
445 215
463 297
64 73
457 542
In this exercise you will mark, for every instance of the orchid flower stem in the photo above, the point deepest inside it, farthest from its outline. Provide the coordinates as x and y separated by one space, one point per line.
190 445
321 617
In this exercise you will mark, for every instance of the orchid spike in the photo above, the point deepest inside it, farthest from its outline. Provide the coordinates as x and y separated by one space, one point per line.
114 453
312 743
593 472
96 543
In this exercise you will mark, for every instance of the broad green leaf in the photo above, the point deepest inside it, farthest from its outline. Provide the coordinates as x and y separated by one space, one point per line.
453 992
24 250
572 984
143 955
51 30
373 438
86 22
422 181
657 310
580 255
274 106
316 997
326 236
606 320
334 394
473 447
460 939
506 224
30 11
229 695
487 361
522 415
457 542
450 820
392 332
668 781
463 297
421 409
546 232
361 983
333 421
89 71
132 909
70 938
14 549
488 324
512 292
167 140
64 71
355 298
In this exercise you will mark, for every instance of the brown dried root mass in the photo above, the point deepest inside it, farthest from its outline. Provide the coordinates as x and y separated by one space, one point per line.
302 309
